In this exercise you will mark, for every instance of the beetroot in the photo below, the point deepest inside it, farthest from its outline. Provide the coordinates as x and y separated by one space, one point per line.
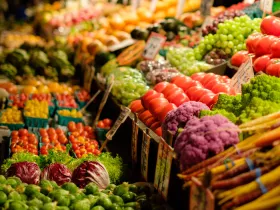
27 172
57 172
91 171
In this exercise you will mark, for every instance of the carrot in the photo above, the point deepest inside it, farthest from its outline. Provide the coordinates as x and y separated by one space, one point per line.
261 120
241 179
268 138
271 203
274 192
268 178
265 125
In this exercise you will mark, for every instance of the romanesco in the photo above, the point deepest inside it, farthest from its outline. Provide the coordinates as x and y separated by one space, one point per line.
229 103
257 108
223 112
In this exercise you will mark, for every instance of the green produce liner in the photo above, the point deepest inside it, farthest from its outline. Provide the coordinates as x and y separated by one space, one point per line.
63 120
36 122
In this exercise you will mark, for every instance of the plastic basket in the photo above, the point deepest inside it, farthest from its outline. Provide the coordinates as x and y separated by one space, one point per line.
36 122
63 120
101 133
12 126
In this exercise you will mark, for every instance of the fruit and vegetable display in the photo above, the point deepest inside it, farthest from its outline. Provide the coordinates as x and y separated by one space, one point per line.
263 48
36 109
11 116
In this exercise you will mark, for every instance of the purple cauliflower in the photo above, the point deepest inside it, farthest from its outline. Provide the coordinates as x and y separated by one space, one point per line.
203 138
179 117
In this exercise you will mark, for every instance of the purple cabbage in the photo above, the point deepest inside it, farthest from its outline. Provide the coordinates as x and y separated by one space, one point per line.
203 138
91 171
179 117
57 172
27 172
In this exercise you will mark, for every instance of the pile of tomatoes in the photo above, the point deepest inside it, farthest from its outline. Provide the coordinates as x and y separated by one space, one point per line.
18 100
82 139
23 141
82 95
105 123
52 139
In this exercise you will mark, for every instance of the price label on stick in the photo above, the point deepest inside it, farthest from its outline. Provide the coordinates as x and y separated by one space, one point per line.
205 7
180 7
266 6
122 117
243 75
200 198
134 139
153 45
163 168
145 155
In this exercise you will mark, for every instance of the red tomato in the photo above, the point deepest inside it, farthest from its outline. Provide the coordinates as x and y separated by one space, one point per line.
275 49
62 139
156 105
14 133
271 25
169 107
263 46
238 58
158 131
198 76
22 132
72 126
71 138
145 115
76 134
80 126
210 84
195 92
88 129
169 89
59 131
221 88
45 140
107 122
176 77
252 41
185 82
160 86
215 98
150 121
136 106
96 152
180 99
273 68
75 146
149 95
100 124
261 62
207 99
155 125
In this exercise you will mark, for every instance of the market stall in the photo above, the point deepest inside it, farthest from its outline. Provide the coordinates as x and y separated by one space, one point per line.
141 105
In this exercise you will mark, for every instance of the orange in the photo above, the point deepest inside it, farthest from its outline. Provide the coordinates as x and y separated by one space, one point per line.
145 15
131 18
171 12
43 89
117 22
54 87
29 89
159 15
161 6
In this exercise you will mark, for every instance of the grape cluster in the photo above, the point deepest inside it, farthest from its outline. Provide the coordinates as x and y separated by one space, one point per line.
230 36
216 56
184 60
227 15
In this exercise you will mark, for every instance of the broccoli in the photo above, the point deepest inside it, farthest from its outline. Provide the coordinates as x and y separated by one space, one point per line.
229 103
223 112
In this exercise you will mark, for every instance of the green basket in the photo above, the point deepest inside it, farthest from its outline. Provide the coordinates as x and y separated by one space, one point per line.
36 122
51 111
63 120
101 133
13 126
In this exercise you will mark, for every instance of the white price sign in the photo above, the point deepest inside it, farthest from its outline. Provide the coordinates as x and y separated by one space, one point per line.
153 5
244 74
153 45
266 6
180 7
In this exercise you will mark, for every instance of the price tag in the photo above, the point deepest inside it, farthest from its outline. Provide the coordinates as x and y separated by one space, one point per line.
180 7
153 45
134 142
163 168
121 45
122 117
145 155
243 75
200 198
153 5
103 101
249 1
205 7
266 6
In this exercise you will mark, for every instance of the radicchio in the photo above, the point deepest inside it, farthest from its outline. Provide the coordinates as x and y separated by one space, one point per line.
91 171
57 172
27 172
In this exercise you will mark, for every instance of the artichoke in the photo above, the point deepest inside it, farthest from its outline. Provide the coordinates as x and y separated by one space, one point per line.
39 59
18 57
8 70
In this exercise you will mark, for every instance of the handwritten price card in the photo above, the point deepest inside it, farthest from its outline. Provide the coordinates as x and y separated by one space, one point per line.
163 168
244 74
145 155
266 6
153 45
